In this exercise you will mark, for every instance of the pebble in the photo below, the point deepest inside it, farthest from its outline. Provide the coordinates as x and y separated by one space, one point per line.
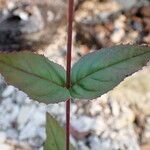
2 136
12 133
20 97
36 141
82 123
39 118
99 125
26 112
127 4
8 91
29 131
5 147
94 143
119 31
82 146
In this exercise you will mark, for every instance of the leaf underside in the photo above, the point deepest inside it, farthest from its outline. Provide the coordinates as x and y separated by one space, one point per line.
100 71
41 79
55 135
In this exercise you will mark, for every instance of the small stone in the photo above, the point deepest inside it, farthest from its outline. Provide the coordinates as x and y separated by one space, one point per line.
41 131
5 147
73 141
26 112
38 118
82 146
117 35
127 4
20 97
99 125
115 108
7 104
41 148
36 141
29 131
12 134
14 113
147 38
8 91
94 143
2 137
95 108
82 123
51 16
73 109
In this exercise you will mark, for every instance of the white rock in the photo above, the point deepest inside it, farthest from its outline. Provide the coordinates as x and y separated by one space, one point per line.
95 108
127 3
51 16
119 31
82 146
25 114
73 141
7 105
58 110
14 113
42 132
42 107
38 118
20 97
8 113
82 123
73 109
4 122
5 147
12 133
36 141
117 35
94 143
99 125
29 131
53 108
105 144
2 137
8 91
41 148
115 108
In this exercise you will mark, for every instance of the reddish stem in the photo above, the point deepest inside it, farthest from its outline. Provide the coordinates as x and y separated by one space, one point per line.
68 124
68 72
69 41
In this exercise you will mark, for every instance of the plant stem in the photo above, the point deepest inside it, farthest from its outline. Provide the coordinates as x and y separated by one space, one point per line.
68 72
68 124
69 41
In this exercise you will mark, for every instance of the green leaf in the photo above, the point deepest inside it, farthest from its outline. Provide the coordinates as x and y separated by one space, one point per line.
55 135
100 71
41 79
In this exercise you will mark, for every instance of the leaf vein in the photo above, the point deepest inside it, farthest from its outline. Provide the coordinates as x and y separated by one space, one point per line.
32 74
108 66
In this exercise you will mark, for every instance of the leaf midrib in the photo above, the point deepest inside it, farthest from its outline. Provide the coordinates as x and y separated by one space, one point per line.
108 66
32 74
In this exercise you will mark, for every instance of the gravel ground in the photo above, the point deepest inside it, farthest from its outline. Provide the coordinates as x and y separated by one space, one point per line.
120 119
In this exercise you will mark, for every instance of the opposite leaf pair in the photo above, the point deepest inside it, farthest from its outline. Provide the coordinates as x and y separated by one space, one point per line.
93 75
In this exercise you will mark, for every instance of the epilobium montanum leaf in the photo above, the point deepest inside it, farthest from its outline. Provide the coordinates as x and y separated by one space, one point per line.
100 71
41 79
92 76
55 135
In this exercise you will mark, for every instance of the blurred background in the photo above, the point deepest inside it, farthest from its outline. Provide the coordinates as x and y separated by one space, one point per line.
118 120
